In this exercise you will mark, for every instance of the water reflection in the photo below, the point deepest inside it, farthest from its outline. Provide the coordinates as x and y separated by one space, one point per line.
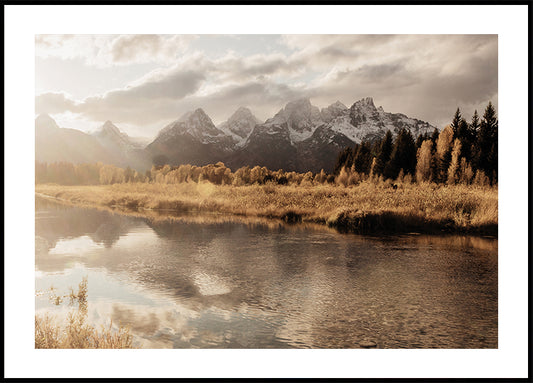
191 282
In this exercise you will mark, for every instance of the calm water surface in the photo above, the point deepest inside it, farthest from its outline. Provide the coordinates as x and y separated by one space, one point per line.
213 283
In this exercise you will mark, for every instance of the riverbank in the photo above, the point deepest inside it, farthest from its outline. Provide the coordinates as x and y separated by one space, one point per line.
366 208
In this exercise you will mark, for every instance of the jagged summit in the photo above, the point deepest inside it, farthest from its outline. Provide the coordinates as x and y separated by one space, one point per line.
240 124
198 114
300 108
241 111
333 111
367 101
299 136
300 117
338 104
299 102
194 123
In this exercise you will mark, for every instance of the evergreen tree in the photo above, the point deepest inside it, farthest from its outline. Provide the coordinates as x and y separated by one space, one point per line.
363 158
464 136
375 148
462 131
403 156
435 137
456 122
355 149
474 126
471 151
487 144
420 139
344 158
383 156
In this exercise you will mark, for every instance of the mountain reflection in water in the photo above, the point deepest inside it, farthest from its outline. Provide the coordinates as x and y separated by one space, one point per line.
197 282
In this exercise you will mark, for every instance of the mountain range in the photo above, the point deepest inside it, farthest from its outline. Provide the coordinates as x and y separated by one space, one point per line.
300 137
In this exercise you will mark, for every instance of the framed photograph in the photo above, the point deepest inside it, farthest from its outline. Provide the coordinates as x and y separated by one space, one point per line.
270 191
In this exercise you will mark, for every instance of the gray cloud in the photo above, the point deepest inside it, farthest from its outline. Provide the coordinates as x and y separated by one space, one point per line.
110 50
129 48
54 103
336 52
135 104
423 76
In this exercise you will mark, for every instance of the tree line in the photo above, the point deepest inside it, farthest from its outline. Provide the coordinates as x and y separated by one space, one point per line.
65 173
461 153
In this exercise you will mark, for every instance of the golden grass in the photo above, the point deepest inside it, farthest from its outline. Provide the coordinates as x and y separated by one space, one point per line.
367 207
77 333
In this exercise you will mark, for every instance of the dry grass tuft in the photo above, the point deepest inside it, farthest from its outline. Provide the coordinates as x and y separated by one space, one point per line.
77 333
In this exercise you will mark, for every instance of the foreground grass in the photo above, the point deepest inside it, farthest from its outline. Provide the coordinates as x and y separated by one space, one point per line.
366 208
76 333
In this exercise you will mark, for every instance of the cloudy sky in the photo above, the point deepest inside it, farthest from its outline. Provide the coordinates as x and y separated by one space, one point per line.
142 82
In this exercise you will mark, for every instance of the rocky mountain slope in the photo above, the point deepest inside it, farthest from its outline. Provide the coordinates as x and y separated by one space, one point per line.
239 125
192 139
300 137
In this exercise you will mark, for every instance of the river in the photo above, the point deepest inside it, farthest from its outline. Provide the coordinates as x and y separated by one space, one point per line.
217 282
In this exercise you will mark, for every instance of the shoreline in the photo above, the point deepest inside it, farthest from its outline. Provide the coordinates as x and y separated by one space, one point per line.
348 210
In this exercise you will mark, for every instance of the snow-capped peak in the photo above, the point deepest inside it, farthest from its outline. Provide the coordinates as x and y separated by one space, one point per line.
366 102
240 124
242 113
364 121
338 105
333 111
197 115
301 118
196 123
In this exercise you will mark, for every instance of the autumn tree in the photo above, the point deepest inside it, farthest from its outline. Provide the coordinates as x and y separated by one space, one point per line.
444 148
424 162
466 172
453 170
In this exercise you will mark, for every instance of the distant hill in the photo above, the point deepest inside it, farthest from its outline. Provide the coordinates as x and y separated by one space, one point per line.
130 151
108 145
